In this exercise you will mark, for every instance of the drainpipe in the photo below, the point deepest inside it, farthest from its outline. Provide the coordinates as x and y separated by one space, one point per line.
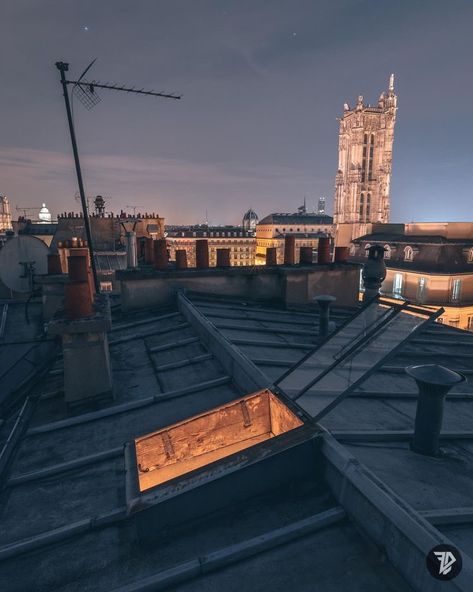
433 382
324 302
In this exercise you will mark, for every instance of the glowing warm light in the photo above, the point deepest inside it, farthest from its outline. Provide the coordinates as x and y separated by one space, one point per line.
216 434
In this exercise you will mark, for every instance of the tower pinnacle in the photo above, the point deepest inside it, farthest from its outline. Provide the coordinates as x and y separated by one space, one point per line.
391 83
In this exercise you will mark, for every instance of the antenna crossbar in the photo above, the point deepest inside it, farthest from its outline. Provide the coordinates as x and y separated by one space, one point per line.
131 89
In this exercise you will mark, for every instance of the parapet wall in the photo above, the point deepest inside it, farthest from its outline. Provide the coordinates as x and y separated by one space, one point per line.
290 285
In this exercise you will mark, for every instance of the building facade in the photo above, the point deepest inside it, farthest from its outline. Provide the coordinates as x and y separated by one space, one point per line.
362 183
429 264
5 214
306 227
241 242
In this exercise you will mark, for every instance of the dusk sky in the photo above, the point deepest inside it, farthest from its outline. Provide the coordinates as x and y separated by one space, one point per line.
262 83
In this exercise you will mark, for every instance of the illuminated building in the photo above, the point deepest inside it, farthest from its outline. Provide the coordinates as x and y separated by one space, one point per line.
307 228
427 263
5 214
240 242
362 182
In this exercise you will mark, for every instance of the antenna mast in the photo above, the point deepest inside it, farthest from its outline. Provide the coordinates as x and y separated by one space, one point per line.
85 92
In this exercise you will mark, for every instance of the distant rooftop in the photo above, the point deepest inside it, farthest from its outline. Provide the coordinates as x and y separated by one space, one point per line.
297 218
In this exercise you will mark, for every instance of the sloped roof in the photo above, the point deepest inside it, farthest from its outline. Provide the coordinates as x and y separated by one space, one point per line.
63 519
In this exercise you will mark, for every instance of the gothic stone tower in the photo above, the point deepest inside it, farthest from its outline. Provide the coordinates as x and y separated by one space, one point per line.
364 160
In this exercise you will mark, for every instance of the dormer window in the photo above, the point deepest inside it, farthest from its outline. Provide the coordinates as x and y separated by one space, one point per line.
367 248
387 252
470 255
408 254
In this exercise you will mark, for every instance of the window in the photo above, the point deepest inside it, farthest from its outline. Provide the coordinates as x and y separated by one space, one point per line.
352 250
387 252
362 203
470 255
106 286
421 289
397 285
408 254
368 206
367 248
470 323
456 289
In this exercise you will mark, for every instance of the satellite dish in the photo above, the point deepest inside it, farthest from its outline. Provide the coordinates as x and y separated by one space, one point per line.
22 258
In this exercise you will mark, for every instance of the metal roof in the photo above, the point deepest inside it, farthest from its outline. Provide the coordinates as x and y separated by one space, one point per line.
63 517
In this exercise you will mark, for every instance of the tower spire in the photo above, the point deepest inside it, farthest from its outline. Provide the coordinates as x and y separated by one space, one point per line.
391 83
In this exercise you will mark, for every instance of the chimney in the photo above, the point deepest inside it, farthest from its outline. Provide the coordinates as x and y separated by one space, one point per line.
181 259
78 299
341 255
289 250
305 256
202 253
271 256
54 264
149 252
223 257
160 254
323 251
433 382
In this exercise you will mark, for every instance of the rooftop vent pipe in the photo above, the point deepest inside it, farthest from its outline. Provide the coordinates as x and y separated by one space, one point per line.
374 272
131 250
324 302
433 382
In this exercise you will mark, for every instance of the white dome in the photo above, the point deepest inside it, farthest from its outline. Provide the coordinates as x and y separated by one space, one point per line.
44 215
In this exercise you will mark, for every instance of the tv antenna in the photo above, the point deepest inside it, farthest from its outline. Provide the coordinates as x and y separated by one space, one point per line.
85 91
134 208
